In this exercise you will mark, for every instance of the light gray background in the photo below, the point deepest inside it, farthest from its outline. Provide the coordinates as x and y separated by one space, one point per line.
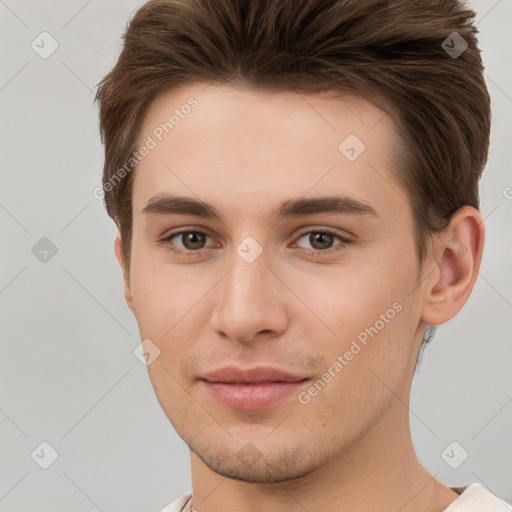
68 373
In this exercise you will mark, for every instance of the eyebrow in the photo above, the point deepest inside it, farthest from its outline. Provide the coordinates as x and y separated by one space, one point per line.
337 204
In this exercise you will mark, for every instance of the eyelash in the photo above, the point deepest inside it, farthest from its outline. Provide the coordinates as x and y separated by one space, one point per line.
313 252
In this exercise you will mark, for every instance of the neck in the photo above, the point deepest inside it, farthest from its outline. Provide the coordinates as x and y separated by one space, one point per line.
378 472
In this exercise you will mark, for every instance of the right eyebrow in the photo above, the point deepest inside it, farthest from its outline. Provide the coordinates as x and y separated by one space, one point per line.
167 205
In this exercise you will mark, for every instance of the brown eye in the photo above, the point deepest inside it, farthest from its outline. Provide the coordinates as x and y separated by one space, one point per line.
192 240
186 242
322 241
319 240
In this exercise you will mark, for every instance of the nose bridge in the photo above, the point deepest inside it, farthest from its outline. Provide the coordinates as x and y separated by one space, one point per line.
250 275
248 299
248 285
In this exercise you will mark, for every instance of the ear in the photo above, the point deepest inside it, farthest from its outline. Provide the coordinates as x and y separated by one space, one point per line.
457 254
118 249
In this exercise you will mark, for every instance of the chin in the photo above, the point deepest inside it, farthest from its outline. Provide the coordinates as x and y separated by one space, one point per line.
251 465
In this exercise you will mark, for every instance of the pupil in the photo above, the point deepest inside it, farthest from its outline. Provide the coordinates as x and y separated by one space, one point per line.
194 239
324 238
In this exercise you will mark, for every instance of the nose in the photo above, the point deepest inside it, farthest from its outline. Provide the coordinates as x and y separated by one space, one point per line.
250 302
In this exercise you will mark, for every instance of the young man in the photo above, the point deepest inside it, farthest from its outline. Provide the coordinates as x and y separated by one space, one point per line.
295 185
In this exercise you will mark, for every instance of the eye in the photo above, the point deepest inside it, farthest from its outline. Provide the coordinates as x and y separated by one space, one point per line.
322 241
191 240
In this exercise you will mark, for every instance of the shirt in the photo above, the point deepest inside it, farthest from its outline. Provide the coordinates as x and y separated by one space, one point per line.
473 498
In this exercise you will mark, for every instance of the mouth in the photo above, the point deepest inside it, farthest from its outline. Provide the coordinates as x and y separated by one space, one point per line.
251 389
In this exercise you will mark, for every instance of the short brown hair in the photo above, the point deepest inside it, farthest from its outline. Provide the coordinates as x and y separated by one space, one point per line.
393 51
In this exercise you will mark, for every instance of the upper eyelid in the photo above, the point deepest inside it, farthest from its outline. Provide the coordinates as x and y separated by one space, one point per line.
168 235
322 230
342 238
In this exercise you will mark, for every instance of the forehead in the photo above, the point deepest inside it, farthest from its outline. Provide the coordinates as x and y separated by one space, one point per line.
221 108
226 142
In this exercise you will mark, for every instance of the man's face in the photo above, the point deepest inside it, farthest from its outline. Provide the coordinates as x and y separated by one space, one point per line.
248 290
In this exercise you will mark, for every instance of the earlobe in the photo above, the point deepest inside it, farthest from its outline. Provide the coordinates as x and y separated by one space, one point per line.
459 253
118 250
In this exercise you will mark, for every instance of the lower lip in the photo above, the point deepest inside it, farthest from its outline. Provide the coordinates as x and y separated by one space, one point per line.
251 397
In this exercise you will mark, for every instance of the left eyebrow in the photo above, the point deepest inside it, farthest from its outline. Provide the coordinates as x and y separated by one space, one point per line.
337 204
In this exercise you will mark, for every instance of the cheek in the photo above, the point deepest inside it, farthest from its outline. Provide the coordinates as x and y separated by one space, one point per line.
367 316
155 287
348 298
170 305
364 369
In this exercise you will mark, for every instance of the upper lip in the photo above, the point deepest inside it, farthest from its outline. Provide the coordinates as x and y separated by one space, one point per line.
258 374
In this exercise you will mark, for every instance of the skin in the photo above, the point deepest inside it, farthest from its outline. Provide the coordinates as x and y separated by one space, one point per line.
245 152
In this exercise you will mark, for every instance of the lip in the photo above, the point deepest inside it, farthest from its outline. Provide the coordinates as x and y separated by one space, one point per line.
257 374
251 388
